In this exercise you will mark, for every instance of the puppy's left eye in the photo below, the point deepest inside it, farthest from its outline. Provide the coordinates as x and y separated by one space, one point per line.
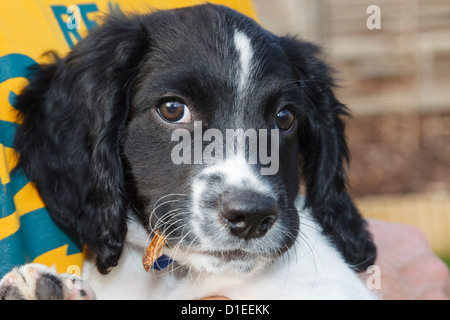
174 111
285 119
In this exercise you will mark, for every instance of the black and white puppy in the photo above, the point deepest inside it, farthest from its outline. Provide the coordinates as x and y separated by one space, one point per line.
98 141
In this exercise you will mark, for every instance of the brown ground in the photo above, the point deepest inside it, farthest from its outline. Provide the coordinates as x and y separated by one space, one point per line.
399 153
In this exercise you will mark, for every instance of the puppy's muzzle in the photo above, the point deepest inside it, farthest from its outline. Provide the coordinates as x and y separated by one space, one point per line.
248 214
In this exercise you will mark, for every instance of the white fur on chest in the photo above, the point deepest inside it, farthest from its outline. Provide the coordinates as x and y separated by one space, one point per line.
312 269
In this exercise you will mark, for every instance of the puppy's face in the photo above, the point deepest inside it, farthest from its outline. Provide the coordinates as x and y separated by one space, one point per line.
201 121
234 211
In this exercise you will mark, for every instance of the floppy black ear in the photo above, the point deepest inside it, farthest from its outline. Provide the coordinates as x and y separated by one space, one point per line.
73 114
323 152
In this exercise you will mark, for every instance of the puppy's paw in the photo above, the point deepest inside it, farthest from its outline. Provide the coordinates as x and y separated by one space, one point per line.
38 282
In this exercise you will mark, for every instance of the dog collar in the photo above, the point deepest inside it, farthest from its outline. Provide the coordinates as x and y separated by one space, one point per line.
162 263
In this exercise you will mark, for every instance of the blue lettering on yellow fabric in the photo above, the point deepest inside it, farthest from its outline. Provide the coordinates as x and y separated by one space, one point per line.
13 65
70 30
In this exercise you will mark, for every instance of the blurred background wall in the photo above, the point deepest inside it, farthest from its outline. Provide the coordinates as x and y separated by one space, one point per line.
396 81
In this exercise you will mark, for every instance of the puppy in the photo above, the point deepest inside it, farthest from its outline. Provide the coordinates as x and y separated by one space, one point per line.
125 137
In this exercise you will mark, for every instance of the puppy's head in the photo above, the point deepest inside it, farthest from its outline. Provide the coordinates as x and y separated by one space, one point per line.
199 123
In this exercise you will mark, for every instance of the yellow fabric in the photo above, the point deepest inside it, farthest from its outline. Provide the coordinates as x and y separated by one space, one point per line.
29 28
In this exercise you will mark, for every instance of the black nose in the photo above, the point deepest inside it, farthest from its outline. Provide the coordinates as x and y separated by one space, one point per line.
248 214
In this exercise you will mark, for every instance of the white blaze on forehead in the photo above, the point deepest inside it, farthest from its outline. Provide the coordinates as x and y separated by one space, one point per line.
245 51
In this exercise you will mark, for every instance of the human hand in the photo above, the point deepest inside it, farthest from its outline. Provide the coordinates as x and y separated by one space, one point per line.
408 267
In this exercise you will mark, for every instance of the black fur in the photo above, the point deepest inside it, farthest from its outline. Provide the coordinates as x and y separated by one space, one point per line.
323 152
74 112
81 111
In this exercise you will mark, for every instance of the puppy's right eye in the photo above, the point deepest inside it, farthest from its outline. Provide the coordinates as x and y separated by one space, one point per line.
174 111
